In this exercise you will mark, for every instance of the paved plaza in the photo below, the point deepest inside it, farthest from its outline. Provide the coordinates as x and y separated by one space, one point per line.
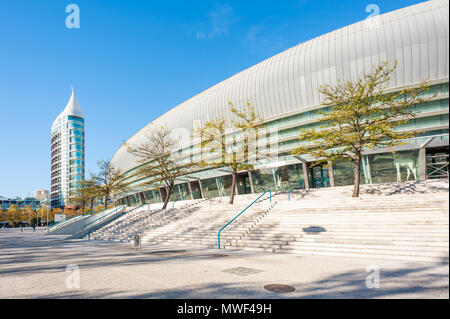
37 266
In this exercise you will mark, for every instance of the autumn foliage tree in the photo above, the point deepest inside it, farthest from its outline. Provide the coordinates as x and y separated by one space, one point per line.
13 215
43 213
84 194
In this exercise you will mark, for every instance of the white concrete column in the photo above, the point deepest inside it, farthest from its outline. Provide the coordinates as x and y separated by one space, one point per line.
201 188
305 169
331 174
190 190
252 188
423 163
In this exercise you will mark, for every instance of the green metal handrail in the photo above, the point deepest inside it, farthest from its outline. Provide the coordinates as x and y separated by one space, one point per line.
129 211
218 234
95 212
181 198
303 186
115 210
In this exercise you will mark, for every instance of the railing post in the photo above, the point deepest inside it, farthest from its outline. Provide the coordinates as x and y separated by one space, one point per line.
218 239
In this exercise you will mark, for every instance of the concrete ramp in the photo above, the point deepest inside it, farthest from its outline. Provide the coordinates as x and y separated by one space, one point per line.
77 224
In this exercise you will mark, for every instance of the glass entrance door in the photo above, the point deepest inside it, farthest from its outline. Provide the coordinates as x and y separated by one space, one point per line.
243 184
195 187
320 177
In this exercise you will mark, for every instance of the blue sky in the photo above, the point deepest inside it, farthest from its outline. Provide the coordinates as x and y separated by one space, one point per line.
130 61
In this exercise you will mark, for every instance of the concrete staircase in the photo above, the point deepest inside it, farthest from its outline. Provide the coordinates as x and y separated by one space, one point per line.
199 227
139 220
397 221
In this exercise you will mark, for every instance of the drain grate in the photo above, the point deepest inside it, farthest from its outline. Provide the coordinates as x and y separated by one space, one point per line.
220 255
279 288
242 271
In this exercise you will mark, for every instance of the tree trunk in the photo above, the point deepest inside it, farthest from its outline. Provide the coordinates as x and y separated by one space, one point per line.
92 205
82 208
166 201
106 202
357 175
233 186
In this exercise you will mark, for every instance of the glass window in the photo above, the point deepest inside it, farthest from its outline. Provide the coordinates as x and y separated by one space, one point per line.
75 125
263 179
179 191
388 167
152 197
380 168
77 119
210 188
76 170
78 140
76 147
195 186
75 178
343 172
76 154
287 177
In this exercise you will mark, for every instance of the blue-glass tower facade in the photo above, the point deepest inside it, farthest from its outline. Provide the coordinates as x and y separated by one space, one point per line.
67 152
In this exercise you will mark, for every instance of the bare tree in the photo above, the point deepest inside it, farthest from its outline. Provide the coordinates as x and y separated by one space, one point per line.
160 165
108 180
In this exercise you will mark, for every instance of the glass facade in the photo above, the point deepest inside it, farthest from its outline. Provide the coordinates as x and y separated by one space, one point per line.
263 179
343 173
432 119
152 197
388 167
320 176
67 153
380 168
210 188
279 179
196 190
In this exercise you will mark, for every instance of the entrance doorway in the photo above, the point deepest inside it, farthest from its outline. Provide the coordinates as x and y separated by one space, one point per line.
319 176
243 184
196 190
437 161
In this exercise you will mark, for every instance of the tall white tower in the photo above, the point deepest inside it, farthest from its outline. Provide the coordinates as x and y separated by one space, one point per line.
67 157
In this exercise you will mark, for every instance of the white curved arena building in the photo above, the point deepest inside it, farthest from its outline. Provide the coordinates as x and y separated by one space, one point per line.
283 90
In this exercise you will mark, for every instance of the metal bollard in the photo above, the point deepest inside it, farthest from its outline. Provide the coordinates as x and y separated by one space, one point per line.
137 243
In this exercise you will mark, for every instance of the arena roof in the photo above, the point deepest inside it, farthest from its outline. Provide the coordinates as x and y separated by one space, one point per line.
415 36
